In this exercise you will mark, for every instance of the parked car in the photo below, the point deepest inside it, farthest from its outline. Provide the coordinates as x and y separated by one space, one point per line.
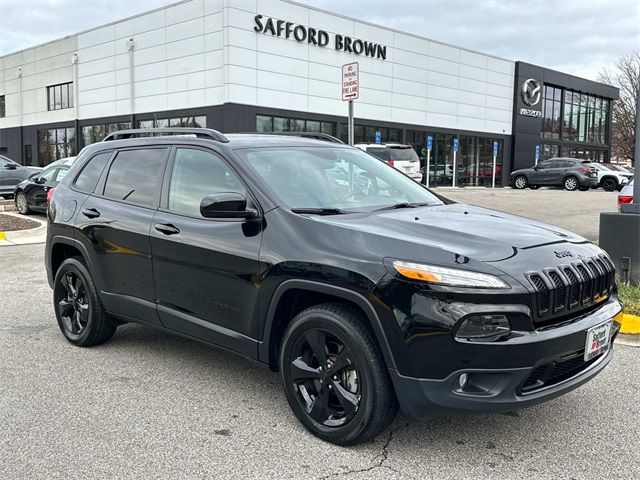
11 174
570 173
33 193
609 178
626 194
365 292
399 156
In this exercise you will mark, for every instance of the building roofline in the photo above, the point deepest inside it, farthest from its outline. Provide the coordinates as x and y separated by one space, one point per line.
304 5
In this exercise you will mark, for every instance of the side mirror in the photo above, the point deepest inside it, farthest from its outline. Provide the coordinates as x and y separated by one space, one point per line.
536 168
11 166
226 205
39 180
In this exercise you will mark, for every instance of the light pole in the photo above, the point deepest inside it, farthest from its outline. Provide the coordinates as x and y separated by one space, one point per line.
634 207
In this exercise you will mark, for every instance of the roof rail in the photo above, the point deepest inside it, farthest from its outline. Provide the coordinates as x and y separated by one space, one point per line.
145 132
316 135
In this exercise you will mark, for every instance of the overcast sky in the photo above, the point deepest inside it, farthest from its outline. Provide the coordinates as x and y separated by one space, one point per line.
578 37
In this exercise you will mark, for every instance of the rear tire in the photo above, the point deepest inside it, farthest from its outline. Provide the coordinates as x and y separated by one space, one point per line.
334 376
571 183
609 185
22 205
81 317
520 182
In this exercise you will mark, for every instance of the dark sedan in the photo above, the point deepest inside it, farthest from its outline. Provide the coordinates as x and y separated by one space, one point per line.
570 173
32 194
11 174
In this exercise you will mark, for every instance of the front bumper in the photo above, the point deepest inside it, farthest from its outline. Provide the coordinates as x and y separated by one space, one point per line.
506 389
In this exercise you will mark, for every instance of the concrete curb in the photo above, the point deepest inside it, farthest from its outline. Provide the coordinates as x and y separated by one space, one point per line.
628 340
24 237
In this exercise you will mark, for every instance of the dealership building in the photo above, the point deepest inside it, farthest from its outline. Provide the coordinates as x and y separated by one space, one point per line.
276 65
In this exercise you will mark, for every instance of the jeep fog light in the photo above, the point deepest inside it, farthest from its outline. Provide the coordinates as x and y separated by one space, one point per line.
484 327
462 380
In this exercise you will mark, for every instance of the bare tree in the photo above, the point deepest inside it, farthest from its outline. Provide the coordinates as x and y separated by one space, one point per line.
626 77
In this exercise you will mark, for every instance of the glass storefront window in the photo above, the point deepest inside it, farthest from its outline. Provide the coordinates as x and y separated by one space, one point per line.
96 133
195 121
56 143
267 123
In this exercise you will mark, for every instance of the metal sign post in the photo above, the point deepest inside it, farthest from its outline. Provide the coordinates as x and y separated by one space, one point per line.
429 145
455 163
350 92
537 153
495 158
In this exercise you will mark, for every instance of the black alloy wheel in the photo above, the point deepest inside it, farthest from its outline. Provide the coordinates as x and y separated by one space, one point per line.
334 375
81 317
73 306
325 377
609 185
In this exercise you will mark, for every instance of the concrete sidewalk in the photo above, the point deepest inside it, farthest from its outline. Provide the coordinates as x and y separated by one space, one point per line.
25 237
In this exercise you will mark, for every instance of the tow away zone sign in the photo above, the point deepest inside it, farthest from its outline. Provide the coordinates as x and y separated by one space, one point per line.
350 81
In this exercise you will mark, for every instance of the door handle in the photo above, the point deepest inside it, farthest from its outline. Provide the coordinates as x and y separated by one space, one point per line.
167 228
91 213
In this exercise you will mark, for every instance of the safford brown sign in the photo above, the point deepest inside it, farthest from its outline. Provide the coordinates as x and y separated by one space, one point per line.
318 37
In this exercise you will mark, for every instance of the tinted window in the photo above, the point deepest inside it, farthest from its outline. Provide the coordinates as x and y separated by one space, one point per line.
197 174
381 152
88 178
546 164
135 175
403 153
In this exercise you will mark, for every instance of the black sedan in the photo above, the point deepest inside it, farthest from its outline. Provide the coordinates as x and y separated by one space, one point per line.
12 173
32 193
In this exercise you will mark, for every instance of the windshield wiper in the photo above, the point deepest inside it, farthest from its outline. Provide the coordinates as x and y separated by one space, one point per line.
319 211
401 205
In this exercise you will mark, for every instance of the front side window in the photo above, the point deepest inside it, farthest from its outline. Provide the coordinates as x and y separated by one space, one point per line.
88 178
135 175
62 172
197 174
48 174
328 177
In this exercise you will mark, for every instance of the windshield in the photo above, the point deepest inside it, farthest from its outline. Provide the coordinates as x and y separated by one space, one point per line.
333 178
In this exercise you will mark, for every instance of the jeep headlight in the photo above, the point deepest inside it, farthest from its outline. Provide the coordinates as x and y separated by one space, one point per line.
453 277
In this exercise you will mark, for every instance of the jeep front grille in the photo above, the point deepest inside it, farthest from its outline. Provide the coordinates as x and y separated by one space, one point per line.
569 288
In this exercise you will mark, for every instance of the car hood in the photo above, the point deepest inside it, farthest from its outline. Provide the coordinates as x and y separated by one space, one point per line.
478 233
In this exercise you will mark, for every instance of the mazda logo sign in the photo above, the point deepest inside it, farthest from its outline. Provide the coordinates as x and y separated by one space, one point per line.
531 92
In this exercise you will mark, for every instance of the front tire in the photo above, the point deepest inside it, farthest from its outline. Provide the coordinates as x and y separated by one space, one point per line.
520 182
609 185
22 205
571 183
81 317
334 375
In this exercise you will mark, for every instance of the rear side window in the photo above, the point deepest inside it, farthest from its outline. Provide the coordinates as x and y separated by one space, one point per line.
88 178
135 175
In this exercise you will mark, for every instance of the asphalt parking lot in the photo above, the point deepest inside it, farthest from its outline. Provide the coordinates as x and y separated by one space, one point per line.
576 211
151 405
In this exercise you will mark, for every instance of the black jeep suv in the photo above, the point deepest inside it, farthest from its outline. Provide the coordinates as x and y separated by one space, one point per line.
362 288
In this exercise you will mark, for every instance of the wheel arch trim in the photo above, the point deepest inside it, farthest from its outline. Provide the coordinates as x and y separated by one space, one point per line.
356 298
71 242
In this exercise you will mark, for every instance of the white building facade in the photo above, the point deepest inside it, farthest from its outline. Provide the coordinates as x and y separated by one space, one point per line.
256 65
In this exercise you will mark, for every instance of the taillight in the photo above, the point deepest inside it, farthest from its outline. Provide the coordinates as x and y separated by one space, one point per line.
50 194
584 169
625 199
390 162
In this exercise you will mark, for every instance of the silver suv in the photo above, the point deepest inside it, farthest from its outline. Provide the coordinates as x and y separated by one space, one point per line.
402 157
